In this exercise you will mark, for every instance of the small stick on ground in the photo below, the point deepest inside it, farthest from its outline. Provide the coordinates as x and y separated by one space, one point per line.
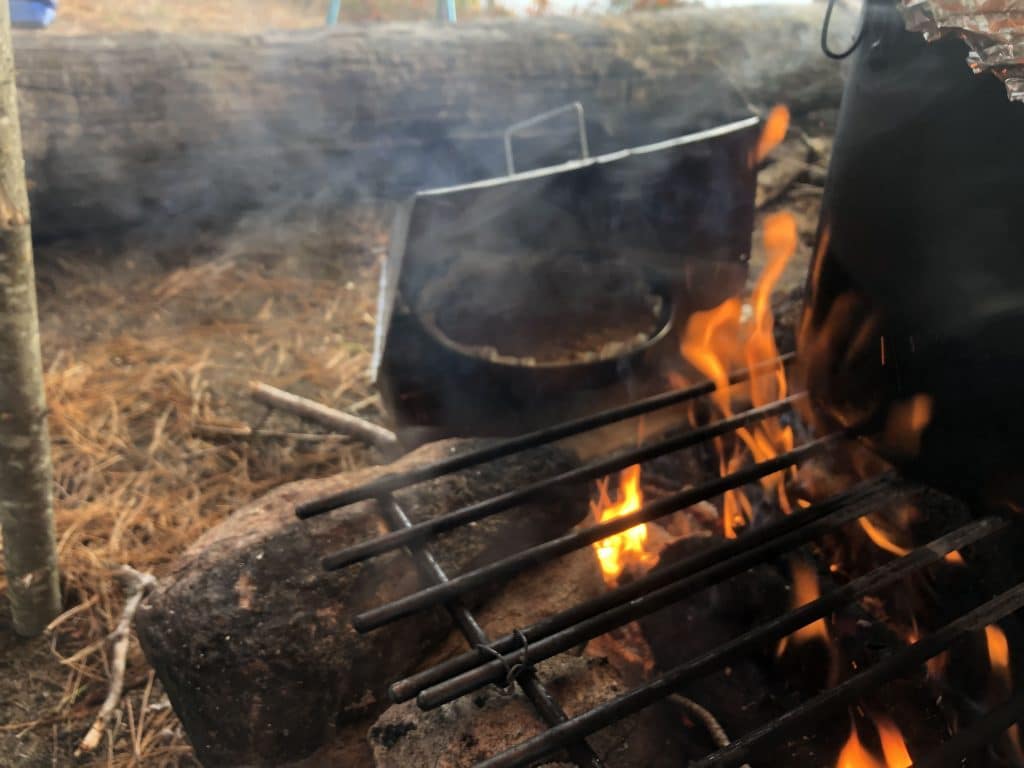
708 720
247 432
344 423
366 402
138 586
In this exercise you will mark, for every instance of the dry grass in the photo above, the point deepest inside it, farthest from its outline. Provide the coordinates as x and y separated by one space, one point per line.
155 440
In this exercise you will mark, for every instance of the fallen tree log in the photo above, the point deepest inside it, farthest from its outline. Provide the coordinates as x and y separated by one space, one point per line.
252 639
171 135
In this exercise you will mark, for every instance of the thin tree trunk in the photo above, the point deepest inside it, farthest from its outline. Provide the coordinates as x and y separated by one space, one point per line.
26 512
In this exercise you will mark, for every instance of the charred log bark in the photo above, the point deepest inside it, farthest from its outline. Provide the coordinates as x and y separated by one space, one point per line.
252 639
169 135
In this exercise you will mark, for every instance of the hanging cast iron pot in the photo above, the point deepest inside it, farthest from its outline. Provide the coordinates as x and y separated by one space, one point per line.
913 330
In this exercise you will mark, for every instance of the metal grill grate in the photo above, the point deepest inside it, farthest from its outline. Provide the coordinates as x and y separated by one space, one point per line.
490 660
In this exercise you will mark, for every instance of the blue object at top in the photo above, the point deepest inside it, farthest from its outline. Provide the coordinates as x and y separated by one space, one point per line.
33 14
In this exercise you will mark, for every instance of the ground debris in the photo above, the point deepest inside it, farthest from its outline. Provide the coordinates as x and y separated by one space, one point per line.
139 356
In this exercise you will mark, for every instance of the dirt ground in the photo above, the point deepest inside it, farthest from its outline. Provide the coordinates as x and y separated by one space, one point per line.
147 371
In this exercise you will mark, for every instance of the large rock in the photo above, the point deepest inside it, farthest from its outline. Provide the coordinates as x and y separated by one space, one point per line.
252 640
464 732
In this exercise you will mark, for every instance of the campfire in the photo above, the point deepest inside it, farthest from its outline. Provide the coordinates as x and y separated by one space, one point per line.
822 566
707 566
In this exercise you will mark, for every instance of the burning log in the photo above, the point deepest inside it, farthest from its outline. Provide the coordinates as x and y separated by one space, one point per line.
253 641
170 134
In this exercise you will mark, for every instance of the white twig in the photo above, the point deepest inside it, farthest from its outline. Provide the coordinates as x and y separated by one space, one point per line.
138 585
344 423
708 720
248 433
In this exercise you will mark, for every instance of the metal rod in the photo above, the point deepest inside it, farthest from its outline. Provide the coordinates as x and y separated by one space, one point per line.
542 488
394 482
980 734
581 127
549 550
546 647
869 680
666 684
431 571
861 495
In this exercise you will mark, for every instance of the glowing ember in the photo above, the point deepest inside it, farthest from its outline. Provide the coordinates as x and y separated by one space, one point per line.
718 341
955 558
627 548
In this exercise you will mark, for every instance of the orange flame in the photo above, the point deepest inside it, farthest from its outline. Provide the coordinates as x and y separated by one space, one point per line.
936 665
998 652
894 750
890 531
893 747
737 510
627 548
905 423
881 539
719 340
999 661
854 755
776 125
805 590
955 558
1013 733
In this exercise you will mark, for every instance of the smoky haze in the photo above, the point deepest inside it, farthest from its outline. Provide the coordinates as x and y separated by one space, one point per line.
168 137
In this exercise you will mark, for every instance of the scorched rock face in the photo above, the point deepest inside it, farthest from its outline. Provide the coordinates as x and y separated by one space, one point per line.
256 648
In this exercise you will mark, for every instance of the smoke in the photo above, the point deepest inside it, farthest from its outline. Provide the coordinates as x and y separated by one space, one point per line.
164 140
